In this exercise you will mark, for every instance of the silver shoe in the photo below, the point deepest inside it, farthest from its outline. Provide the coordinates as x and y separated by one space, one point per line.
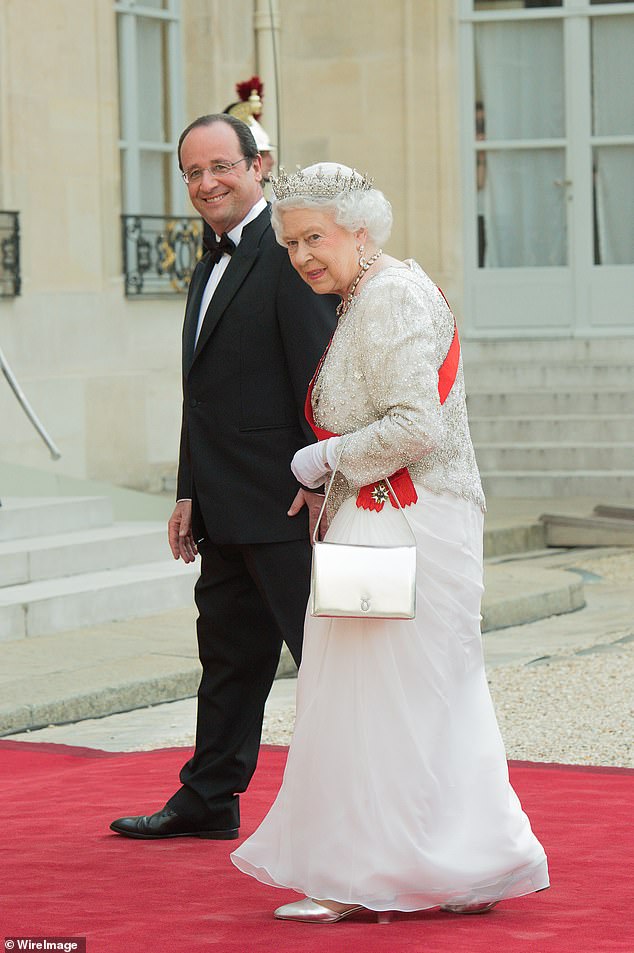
309 911
469 907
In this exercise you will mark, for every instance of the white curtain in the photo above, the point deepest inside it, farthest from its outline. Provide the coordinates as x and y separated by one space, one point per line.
613 115
519 80
524 211
151 65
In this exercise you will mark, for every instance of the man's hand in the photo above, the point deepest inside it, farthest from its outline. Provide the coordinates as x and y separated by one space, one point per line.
179 532
314 503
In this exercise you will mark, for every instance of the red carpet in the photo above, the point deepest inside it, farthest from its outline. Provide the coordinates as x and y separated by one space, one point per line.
65 874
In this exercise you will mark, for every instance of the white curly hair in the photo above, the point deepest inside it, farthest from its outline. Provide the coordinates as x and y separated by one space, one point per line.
353 209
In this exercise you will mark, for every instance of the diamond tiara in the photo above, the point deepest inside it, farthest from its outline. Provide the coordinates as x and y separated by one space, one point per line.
319 182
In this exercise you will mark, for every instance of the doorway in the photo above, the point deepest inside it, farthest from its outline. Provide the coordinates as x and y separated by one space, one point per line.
548 167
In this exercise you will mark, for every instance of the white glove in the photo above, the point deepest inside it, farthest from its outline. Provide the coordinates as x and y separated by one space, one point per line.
312 464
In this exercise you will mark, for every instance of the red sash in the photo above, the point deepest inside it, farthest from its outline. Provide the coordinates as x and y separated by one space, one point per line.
375 495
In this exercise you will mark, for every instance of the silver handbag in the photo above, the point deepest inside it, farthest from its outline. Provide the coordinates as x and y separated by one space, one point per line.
356 581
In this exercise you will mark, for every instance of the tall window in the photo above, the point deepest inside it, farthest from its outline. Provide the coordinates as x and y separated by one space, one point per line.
522 130
150 110
548 140
611 45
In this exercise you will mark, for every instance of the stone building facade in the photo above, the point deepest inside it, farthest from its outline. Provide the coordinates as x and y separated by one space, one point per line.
494 128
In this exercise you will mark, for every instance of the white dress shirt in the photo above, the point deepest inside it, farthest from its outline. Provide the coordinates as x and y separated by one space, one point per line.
219 268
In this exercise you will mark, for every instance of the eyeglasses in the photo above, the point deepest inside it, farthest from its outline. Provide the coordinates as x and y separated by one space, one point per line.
218 168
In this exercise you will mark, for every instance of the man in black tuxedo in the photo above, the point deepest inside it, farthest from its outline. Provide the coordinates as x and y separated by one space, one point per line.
252 337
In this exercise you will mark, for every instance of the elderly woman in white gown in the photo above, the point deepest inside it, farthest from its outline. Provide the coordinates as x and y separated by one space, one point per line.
396 793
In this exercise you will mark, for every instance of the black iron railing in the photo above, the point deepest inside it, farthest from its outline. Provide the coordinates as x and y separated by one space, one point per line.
9 254
160 253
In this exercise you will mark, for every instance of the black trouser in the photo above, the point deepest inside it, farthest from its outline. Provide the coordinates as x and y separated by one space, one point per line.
250 598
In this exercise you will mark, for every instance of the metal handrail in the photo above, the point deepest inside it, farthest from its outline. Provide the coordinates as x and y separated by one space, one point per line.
26 407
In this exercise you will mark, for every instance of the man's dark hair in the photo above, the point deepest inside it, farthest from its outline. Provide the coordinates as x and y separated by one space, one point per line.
242 131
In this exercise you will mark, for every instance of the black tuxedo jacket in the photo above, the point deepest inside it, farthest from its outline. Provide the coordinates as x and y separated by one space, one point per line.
244 388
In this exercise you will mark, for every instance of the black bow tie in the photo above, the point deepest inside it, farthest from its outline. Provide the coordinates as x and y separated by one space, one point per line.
217 248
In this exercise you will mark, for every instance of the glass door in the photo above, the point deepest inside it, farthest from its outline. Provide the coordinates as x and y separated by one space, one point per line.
611 148
548 124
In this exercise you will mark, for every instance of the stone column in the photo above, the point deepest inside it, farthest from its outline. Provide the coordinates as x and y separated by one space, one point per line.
266 21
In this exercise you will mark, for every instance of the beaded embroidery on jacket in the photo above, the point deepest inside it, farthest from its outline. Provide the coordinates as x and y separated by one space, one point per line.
379 383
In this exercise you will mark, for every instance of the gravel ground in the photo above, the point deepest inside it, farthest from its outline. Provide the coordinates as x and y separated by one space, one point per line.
617 568
575 705
573 709
278 726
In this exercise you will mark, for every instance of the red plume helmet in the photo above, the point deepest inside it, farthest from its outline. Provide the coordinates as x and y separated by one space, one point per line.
245 89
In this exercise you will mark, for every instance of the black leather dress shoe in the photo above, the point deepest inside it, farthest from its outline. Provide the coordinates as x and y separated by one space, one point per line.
167 823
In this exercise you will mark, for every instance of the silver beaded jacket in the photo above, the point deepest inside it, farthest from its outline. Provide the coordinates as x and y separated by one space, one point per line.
379 385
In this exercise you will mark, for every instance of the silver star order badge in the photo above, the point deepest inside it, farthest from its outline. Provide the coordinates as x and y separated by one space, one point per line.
380 493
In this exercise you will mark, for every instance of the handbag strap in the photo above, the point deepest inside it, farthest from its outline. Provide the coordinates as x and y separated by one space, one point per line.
329 488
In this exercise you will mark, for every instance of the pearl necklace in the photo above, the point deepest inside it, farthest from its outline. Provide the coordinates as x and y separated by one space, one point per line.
344 304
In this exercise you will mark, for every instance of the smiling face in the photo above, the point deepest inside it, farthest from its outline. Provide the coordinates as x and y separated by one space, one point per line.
221 200
323 253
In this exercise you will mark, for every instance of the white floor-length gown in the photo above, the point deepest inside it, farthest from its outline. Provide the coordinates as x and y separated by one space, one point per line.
396 793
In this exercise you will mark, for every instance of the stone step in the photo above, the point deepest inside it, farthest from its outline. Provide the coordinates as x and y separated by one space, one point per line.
614 350
26 517
487 402
91 550
537 375
516 539
538 484
120 666
614 512
61 582
555 456
564 530
516 594
573 428
54 605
